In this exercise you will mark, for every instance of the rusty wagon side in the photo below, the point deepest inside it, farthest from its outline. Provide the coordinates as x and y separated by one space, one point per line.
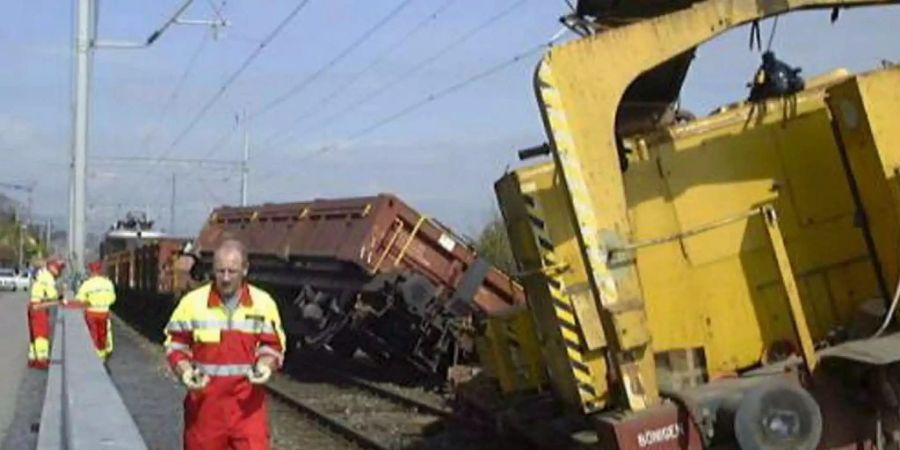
367 272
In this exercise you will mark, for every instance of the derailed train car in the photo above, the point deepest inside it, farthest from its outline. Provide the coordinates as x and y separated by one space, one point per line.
367 273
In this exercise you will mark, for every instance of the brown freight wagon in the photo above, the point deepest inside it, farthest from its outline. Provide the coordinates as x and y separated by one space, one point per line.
369 273
146 268
145 281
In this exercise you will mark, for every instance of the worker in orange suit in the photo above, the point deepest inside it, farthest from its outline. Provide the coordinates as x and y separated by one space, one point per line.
223 342
97 294
44 295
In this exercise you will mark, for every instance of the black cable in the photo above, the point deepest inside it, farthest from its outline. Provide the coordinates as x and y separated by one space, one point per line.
432 97
247 62
234 76
343 88
222 140
176 91
299 87
217 10
418 67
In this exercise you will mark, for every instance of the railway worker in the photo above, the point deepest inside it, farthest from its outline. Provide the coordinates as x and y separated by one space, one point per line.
44 294
223 342
96 294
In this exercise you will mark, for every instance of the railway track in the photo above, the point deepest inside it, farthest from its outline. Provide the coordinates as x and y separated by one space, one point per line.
324 402
367 414
294 428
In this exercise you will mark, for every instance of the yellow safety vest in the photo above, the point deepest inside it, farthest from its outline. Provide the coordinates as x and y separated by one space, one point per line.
44 287
223 342
98 292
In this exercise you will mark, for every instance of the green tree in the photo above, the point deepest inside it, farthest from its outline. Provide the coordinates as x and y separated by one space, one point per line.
493 245
9 241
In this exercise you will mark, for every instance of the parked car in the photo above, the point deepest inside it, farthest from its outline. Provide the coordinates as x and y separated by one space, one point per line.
23 280
8 279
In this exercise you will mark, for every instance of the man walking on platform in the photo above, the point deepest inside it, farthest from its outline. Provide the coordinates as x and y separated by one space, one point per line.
223 342
43 295
97 294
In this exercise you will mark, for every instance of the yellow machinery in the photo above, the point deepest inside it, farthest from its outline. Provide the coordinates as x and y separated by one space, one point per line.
707 281
509 350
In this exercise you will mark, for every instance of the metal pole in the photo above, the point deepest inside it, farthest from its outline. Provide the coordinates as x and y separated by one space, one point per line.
20 229
245 170
70 231
30 204
80 139
48 237
172 208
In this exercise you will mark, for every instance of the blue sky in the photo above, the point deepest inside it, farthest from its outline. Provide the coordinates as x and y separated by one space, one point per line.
442 158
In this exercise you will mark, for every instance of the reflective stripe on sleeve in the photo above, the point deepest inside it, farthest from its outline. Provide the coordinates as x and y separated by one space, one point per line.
225 370
177 346
269 350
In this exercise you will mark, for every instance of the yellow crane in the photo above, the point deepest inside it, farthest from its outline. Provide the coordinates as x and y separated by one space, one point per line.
696 282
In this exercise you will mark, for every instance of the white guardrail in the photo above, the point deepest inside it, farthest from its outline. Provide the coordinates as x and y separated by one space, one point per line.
82 408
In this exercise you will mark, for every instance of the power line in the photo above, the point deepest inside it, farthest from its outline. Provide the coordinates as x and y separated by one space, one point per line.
436 95
217 10
343 88
193 162
210 193
234 76
448 90
176 91
299 87
223 139
414 70
228 134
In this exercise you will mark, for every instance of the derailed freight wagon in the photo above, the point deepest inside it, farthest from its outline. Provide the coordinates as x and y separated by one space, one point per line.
366 273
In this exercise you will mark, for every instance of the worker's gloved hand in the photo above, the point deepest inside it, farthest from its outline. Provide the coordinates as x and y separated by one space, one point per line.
260 373
194 379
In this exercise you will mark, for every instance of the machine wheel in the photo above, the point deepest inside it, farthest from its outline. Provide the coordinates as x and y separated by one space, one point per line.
778 415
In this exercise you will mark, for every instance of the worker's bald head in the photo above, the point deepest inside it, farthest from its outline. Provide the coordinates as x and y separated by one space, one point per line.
230 265
230 247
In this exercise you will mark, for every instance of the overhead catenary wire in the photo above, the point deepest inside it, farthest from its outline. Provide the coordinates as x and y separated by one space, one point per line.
237 73
448 90
210 193
299 87
228 134
222 140
217 10
176 90
381 89
345 86
434 96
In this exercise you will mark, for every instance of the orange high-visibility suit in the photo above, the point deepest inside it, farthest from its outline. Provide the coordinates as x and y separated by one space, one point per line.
97 293
229 412
43 290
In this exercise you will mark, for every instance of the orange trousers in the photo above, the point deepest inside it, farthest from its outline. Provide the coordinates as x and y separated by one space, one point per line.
228 414
99 327
39 337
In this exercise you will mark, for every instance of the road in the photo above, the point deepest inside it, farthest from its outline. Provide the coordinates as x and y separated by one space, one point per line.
13 353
